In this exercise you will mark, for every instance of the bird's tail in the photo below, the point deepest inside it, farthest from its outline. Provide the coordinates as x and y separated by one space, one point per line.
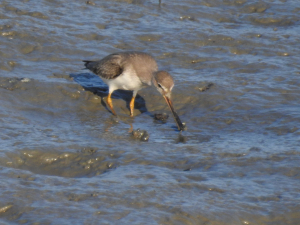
86 63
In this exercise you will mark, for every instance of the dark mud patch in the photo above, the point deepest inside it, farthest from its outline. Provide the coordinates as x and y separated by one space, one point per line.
86 163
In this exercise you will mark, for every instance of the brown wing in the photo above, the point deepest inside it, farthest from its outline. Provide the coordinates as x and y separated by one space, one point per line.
109 67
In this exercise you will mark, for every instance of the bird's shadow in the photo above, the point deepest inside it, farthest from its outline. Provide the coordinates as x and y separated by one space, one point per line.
95 85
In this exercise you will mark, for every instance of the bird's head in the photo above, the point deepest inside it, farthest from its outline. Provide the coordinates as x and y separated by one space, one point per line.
164 83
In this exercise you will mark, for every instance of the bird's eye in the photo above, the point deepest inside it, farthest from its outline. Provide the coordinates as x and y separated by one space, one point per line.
158 84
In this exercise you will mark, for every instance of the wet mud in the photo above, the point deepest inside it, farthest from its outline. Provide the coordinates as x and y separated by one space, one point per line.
64 158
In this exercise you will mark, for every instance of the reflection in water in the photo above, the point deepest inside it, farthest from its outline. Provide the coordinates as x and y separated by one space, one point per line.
181 138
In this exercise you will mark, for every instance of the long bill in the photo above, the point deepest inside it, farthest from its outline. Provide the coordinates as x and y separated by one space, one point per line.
176 117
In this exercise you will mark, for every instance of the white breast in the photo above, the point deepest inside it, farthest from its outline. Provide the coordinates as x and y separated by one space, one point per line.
126 81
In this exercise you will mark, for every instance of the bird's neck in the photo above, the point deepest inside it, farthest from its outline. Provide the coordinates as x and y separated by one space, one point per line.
153 80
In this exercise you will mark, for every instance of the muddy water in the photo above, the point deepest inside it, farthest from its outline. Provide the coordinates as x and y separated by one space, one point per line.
65 159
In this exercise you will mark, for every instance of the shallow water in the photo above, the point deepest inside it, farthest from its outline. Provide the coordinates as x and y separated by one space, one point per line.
65 159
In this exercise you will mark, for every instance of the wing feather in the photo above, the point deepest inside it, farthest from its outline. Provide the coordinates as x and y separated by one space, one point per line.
109 67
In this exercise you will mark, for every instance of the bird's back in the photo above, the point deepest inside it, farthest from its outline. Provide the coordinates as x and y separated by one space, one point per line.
140 64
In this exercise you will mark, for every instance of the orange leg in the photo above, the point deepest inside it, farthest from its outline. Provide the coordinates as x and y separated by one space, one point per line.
130 129
132 105
109 102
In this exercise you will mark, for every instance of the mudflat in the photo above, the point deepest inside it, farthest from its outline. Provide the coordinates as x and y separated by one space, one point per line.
65 159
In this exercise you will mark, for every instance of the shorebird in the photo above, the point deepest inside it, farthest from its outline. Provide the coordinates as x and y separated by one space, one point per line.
133 71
